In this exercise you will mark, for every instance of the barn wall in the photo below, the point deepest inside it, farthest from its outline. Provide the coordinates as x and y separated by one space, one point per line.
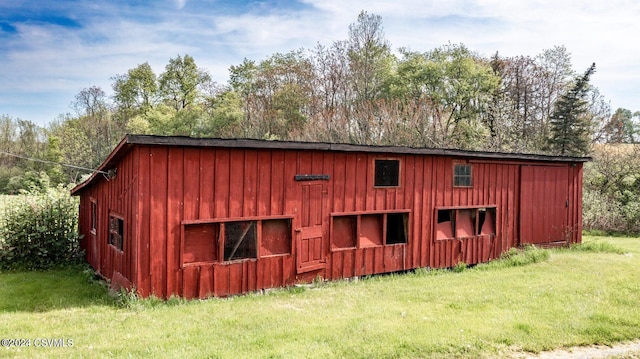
426 185
209 185
187 188
116 196
161 192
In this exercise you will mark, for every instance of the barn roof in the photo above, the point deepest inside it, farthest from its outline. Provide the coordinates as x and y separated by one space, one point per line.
129 141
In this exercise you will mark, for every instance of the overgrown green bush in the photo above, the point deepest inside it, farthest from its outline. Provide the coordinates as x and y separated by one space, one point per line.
40 231
611 194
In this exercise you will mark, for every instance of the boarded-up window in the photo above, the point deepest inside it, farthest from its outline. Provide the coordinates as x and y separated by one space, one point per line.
94 216
371 230
276 237
465 223
116 232
397 228
201 242
387 173
344 232
462 175
240 240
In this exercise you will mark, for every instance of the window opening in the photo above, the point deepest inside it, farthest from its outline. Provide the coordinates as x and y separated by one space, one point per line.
344 232
462 176
371 230
465 222
94 216
486 221
445 225
116 232
387 173
397 228
240 240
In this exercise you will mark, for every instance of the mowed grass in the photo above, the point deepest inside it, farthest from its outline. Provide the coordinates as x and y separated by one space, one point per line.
562 298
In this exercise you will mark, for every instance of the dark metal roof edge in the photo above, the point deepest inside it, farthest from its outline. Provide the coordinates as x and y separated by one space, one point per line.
341 147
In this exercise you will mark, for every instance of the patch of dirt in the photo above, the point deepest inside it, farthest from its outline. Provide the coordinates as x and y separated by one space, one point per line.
628 350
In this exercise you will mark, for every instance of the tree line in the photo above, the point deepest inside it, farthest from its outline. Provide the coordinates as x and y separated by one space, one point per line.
356 90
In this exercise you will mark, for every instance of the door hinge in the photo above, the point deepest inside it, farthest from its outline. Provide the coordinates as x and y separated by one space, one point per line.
567 204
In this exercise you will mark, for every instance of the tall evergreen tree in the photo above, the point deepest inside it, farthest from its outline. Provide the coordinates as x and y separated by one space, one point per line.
570 128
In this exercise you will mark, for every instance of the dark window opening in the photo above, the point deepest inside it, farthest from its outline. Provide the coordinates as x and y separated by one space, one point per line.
201 242
116 232
387 173
344 232
462 176
94 216
240 240
369 230
276 237
397 228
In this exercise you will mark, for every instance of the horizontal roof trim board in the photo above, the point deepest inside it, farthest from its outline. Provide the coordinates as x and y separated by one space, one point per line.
181 141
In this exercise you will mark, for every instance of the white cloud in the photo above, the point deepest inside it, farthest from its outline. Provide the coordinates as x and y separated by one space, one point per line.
181 4
44 58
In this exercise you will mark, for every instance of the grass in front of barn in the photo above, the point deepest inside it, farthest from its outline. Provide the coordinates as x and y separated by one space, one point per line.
563 298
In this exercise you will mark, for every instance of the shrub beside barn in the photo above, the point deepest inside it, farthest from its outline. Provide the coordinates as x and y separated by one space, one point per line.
199 217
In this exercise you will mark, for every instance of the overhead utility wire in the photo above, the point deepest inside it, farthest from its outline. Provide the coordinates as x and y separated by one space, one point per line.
51 162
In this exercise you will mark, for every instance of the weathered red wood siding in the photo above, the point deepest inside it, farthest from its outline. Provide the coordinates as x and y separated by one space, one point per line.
188 185
116 196
551 207
164 191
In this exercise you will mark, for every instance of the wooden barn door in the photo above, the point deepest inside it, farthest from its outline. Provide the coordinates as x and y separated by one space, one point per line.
544 204
310 243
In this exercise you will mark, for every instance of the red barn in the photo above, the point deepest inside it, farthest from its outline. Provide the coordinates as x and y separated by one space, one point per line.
199 217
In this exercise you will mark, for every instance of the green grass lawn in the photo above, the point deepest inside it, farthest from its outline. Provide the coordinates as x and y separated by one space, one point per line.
566 298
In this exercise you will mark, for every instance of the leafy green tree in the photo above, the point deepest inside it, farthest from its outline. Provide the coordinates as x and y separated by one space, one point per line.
570 128
96 122
370 66
29 182
276 92
224 115
620 128
370 56
135 92
54 157
179 83
330 105
76 145
519 117
456 84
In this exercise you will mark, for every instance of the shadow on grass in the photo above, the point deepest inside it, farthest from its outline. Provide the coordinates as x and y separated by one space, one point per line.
41 291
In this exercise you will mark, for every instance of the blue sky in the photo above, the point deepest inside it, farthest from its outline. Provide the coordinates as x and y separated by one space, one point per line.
52 49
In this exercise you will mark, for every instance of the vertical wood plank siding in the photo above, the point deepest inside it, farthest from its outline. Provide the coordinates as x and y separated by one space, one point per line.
160 188
118 196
